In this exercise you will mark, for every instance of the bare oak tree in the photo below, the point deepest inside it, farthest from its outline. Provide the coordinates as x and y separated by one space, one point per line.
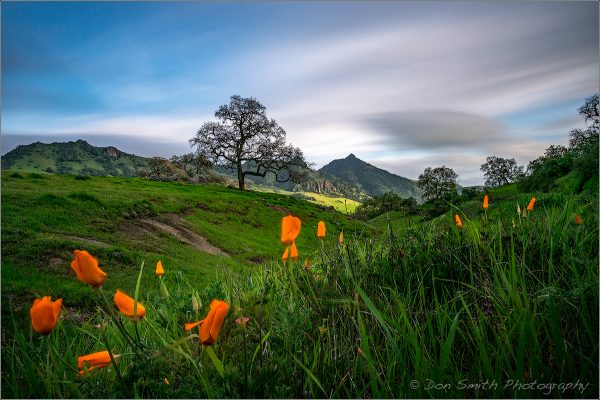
248 142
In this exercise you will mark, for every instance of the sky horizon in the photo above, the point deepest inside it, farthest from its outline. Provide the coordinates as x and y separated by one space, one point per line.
402 85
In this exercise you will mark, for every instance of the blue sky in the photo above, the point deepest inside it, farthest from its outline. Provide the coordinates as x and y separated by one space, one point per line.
402 85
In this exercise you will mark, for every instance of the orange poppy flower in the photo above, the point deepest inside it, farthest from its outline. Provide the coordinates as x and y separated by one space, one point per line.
290 228
459 223
578 220
87 270
95 360
294 251
44 314
341 238
485 202
286 254
125 305
159 269
531 204
211 325
321 230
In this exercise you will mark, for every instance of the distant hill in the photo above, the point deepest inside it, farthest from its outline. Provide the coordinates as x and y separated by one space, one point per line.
73 158
370 179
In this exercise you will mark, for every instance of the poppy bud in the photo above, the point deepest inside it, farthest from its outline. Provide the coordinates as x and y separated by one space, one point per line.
87 270
321 230
126 305
290 228
44 314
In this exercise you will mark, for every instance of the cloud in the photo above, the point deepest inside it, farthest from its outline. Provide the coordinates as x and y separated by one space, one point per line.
436 129
403 84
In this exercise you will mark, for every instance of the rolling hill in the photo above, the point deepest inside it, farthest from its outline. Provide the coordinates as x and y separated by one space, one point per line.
73 158
370 179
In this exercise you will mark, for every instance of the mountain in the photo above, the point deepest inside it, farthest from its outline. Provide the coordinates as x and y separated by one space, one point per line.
370 179
73 158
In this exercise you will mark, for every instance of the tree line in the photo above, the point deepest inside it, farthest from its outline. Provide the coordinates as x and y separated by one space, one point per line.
245 141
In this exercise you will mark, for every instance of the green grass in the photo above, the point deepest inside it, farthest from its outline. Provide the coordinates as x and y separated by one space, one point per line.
342 204
422 303
45 217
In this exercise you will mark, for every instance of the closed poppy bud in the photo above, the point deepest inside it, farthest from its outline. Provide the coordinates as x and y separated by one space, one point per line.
290 228
159 269
294 251
341 238
518 210
578 220
531 204
44 314
307 264
95 360
458 221
485 202
321 230
286 254
195 304
164 293
125 305
87 270
211 325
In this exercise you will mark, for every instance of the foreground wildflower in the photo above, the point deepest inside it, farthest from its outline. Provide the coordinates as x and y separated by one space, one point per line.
485 202
578 220
294 251
458 221
321 230
290 228
87 270
211 325
95 360
44 314
531 204
159 269
242 321
125 305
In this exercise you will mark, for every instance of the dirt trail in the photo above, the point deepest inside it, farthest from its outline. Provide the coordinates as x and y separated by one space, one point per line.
174 225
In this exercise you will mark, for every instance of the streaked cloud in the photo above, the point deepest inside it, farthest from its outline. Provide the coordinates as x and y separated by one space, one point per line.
403 85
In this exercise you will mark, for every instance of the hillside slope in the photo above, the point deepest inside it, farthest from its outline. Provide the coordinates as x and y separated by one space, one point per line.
73 158
370 179
202 230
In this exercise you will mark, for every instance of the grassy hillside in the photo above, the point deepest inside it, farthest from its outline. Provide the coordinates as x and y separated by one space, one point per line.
74 158
384 315
341 204
123 221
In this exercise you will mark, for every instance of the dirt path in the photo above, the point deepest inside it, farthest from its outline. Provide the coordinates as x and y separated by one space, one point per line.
174 225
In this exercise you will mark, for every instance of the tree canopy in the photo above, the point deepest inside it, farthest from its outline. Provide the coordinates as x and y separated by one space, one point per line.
245 140
500 171
435 183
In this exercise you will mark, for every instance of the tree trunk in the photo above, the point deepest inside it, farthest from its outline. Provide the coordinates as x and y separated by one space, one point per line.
240 176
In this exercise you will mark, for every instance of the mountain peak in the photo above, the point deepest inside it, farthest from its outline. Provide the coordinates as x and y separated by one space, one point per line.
370 179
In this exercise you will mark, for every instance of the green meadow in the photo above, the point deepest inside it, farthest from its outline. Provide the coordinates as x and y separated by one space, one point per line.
406 306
